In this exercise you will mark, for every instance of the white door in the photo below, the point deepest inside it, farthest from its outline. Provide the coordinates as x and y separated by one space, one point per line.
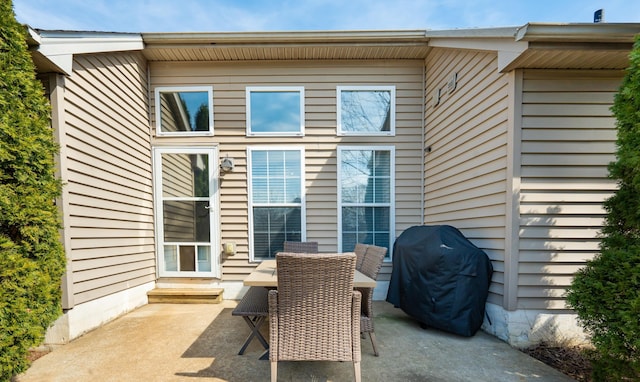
186 204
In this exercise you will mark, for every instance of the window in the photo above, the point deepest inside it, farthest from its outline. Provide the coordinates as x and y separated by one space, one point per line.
276 199
184 110
366 110
275 111
365 196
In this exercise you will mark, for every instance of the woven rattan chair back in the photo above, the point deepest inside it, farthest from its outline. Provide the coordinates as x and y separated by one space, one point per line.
314 314
371 265
372 261
360 250
301 246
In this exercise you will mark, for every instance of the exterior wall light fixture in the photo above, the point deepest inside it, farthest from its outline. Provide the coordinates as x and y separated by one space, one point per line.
226 164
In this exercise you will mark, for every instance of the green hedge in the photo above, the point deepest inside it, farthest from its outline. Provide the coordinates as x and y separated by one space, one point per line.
32 260
606 293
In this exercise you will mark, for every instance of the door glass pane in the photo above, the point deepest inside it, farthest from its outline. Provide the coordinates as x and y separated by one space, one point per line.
170 258
186 221
204 258
185 175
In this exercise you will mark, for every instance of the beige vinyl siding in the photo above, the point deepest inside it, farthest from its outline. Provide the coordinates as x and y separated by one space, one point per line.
465 172
319 79
568 138
108 157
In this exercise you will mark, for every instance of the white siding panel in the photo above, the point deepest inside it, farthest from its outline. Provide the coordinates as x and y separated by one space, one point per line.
568 138
107 144
319 79
466 168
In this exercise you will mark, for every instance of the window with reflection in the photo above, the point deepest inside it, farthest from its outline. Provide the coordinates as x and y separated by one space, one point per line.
276 199
366 110
184 110
366 198
275 111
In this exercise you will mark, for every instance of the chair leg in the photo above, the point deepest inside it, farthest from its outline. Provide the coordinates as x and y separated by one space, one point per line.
274 371
356 370
373 343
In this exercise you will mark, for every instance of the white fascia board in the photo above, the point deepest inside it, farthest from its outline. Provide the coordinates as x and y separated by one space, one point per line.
60 48
507 49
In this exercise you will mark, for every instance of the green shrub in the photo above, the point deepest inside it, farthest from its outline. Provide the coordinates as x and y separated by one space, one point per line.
32 260
606 293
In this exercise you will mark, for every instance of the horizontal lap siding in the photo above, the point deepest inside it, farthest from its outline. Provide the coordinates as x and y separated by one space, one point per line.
319 80
109 175
568 138
466 169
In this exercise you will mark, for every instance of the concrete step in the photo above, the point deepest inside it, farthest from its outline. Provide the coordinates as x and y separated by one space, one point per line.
185 296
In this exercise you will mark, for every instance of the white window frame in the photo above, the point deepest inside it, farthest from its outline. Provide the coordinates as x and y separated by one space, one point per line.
392 123
251 204
392 196
275 89
186 89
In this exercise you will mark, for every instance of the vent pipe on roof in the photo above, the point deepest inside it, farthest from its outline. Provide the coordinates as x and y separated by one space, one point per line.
598 16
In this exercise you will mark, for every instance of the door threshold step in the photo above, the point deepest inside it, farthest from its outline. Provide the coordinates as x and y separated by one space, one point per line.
185 296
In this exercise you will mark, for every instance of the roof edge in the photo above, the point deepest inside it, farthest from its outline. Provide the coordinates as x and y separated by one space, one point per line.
294 37
578 32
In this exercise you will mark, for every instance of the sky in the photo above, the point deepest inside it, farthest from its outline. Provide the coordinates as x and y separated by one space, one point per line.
310 15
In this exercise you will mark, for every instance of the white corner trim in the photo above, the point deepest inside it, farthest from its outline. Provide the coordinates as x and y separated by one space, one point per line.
79 45
505 58
62 61
60 48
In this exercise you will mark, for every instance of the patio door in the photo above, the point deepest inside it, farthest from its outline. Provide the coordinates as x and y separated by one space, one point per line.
186 205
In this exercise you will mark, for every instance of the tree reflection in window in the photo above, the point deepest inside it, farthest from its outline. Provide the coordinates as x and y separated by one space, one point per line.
366 111
365 197
184 110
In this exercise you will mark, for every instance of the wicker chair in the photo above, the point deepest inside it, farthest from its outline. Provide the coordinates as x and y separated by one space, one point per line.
301 246
371 265
360 250
314 315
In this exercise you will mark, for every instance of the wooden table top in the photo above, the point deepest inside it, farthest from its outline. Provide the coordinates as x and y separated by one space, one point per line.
265 275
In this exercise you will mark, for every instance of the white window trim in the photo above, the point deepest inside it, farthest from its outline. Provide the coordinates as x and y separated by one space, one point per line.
303 197
392 111
214 222
250 89
158 111
392 186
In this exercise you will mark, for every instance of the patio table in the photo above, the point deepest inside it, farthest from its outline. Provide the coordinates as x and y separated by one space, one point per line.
266 275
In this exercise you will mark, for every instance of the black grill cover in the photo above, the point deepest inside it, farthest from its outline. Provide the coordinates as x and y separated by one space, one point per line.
440 278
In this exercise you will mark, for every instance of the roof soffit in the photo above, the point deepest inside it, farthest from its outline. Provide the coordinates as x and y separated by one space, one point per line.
285 45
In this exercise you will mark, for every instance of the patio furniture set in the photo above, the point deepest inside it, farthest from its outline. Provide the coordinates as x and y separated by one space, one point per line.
318 304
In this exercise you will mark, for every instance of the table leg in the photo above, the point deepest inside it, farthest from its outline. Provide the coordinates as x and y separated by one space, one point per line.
254 323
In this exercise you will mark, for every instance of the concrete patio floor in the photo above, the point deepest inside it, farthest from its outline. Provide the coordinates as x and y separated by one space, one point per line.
173 342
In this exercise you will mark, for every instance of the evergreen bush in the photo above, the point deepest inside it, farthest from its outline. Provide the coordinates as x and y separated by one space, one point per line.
32 259
606 293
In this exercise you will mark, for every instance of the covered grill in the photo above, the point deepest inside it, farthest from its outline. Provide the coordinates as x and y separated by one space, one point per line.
440 278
